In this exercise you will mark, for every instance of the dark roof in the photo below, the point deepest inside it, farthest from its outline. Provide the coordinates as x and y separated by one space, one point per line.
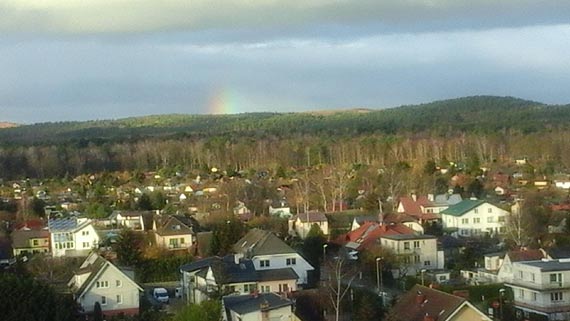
92 265
20 239
549 265
408 237
559 252
312 217
66 224
366 218
420 301
178 225
462 207
243 304
277 274
260 242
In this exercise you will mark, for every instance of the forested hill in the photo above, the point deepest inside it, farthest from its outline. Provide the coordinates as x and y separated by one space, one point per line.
477 114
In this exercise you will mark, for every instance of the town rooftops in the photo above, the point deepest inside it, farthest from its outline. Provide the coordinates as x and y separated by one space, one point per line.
367 234
546 265
401 237
178 225
462 207
259 242
422 303
20 239
311 217
244 304
525 255
69 224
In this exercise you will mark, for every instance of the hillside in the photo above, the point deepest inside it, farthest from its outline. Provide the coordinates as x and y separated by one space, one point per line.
480 114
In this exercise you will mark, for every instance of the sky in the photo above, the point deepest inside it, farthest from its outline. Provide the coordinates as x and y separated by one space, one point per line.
103 59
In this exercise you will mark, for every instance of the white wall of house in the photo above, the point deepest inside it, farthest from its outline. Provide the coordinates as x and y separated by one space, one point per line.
415 254
303 228
485 218
277 286
562 184
119 292
174 242
84 239
279 261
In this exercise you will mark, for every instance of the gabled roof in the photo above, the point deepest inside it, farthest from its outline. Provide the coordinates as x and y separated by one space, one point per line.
244 304
422 301
178 225
447 200
559 252
20 239
462 207
412 207
369 232
93 266
259 242
311 217
525 255
70 224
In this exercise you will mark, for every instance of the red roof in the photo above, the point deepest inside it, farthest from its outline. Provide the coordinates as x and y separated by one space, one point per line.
525 255
560 207
412 207
36 224
368 233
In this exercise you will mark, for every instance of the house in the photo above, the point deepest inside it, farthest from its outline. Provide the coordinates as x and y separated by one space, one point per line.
426 304
257 306
28 241
280 208
541 288
358 221
127 219
562 184
176 232
301 224
415 252
232 274
541 184
426 208
98 280
369 235
72 236
505 273
472 218
268 252
409 221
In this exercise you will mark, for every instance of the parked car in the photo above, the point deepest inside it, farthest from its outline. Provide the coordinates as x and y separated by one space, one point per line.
161 295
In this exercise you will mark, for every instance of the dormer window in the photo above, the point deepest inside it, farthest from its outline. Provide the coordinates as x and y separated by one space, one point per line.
176 227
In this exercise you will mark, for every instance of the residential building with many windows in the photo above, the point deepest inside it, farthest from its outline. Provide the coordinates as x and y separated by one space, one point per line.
541 287
72 236
473 217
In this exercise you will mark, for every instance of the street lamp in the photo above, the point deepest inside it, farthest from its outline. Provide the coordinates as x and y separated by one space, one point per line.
422 271
379 283
325 251
501 295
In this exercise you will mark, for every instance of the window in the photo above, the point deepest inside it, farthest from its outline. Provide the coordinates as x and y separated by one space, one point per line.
532 277
521 294
416 259
464 221
490 219
265 289
406 245
84 233
533 296
427 263
476 210
85 245
283 287
556 278
36 243
248 288
264 263
490 210
501 219
119 299
406 259
103 300
521 275
181 240
477 220
102 284
291 261
556 296
416 244
118 283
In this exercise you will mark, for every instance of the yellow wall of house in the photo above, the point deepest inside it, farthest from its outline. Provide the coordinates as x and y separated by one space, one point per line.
467 313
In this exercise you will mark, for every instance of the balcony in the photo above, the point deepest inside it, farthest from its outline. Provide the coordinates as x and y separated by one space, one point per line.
539 286
547 308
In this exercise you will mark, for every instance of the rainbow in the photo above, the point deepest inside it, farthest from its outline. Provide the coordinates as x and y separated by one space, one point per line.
224 101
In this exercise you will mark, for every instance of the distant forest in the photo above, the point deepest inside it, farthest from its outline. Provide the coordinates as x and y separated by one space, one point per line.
485 129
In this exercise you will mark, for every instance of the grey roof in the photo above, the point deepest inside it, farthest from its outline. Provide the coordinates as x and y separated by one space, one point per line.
559 252
259 242
550 265
178 225
446 199
65 224
243 304
365 218
408 237
21 239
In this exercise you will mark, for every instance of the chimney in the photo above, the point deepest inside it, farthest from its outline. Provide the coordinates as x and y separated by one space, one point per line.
237 257
420 297
414 197
380 218
428 317
430 197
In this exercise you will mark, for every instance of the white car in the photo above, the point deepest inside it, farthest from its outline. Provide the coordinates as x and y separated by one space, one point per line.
161 295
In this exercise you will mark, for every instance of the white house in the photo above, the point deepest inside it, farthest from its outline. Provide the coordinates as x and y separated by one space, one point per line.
474 217
97 280
268 252
128 219
415 252
280 208
541 288
72 236
202 278
257 306
301 224
176 232
565 184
